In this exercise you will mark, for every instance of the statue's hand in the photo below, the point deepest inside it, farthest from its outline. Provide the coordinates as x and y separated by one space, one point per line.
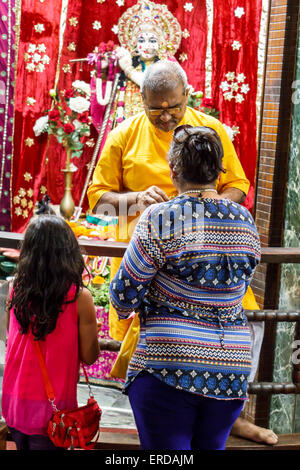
124 58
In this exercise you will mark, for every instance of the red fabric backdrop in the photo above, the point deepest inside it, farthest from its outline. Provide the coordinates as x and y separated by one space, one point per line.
81 35
31 99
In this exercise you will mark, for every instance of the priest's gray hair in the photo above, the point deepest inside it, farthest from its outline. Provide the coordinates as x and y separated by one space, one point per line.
163 76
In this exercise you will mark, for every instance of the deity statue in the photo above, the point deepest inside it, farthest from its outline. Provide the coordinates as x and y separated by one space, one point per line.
147 32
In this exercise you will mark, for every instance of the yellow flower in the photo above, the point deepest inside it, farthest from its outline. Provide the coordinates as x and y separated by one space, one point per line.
98 280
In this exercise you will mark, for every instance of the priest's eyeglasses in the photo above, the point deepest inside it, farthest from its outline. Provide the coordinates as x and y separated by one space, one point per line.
160 111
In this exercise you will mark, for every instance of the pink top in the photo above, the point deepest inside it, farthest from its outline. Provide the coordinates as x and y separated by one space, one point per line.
25 406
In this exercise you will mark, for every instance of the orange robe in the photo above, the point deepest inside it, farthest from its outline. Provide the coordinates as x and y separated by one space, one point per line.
134 158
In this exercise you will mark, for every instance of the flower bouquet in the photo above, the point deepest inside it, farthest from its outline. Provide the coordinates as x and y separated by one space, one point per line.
69 121
205 105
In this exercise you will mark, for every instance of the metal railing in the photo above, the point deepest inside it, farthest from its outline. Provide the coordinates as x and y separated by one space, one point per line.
274 255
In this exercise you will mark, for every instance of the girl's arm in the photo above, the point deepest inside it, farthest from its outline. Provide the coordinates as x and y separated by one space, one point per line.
87 331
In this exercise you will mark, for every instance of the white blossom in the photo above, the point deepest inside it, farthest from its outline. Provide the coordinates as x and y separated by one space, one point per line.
41 125
234 86
183 57
240 77
229 131
230 76
79 104
30 67
245 88
41 47
185 34
30 101
228 95
36 57
236 45
115 29
97 25
31 48
188 6
39 27
239 98
82 86
120 2
40 67
239 12
224 86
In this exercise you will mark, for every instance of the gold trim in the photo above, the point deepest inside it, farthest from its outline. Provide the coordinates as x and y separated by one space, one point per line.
261 59
62 27
208 59
18 9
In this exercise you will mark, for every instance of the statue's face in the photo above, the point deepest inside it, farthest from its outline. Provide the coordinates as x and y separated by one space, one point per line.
147 45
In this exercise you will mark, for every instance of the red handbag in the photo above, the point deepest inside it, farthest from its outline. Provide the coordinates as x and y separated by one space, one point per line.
71 428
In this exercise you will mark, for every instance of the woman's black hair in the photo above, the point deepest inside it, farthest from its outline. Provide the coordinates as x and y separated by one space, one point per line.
50 262
196 154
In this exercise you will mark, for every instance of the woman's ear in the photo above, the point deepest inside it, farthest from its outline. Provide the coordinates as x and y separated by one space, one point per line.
172 174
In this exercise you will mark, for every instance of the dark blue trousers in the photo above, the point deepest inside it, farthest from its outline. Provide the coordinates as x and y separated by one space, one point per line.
172 419
32 442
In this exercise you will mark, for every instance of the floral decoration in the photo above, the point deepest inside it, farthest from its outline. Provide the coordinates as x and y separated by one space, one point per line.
236 45
183 57
39 28
204 105
231 131
188 6
29 142
97 25
73 21
239 12
30 101
22 201
234 87
68 119
71 46
35 58
185 34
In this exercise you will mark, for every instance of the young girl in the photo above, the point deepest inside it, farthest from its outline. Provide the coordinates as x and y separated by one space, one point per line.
48 303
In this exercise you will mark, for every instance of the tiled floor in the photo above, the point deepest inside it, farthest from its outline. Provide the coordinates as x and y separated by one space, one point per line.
116 410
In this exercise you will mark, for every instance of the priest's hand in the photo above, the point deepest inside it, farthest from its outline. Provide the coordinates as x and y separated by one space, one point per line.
152 195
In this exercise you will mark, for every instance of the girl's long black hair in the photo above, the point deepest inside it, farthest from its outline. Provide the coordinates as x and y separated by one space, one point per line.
50 262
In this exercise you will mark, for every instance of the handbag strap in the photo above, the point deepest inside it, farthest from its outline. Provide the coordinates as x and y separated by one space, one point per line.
46 379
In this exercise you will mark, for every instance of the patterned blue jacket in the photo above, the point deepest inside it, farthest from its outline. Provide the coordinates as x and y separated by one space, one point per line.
185 272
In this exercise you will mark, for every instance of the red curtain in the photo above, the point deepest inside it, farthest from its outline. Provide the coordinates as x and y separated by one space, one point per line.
79 31
236 28
37 62
88 24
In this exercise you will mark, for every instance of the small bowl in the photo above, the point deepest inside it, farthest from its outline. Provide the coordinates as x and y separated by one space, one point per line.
8 267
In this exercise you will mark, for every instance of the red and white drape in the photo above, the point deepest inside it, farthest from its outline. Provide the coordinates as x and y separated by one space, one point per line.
219 51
